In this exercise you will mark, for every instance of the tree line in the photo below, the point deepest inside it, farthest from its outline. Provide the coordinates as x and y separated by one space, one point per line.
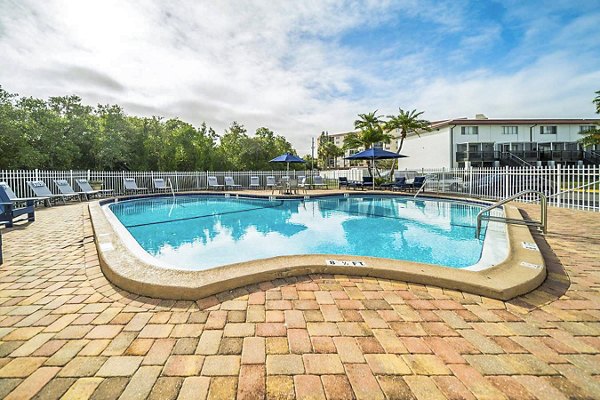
61 133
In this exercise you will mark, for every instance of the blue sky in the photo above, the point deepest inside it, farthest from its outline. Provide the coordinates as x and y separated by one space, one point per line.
303 67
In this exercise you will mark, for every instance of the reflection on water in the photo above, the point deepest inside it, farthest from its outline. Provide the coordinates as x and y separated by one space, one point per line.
198 232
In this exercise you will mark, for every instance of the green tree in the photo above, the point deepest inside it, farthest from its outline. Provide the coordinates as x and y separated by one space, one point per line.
370 132
115 145
592 136
405 122
78 129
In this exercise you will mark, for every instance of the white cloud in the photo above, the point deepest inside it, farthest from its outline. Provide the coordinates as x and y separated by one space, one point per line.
282 64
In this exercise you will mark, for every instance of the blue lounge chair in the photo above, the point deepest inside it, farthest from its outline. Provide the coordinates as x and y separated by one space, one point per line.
10 206
66 189
42 192
418 182
367 182
399 183
86 188
343 181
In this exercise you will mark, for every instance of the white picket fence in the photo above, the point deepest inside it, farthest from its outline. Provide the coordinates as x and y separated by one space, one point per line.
575 187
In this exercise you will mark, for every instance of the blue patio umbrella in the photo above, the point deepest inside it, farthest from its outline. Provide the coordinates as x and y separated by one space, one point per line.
374 153
287 158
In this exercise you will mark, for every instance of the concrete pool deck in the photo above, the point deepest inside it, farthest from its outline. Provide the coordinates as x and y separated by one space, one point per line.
66 331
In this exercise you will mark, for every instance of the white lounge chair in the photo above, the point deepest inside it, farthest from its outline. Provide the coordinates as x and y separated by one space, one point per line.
254 182
271 183
302 183
41 190
131 186
86 188
230 183
161 185
214 184
318 182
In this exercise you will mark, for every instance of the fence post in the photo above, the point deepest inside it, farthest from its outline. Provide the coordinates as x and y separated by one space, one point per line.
558 186
176 182
470 181
88 174
37 174
506 182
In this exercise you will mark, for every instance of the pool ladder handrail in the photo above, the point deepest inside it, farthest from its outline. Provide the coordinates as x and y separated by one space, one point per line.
543 223
171 187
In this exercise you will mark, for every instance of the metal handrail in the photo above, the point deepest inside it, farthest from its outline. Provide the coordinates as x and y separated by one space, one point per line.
543 207
573 189
171 187
511 155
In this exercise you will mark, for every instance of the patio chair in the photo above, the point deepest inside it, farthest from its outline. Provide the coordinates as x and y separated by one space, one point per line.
302 184
86 188
230 183
10 209
292 186
318 182
343 181
161 185
66 189
10 196
418 182
271 183
399 184
214 184
41 190
131 186
367 182
254 182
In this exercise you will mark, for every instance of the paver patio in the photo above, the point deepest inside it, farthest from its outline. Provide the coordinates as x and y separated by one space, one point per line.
65 331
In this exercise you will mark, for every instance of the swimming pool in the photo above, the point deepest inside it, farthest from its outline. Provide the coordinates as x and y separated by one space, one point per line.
199 232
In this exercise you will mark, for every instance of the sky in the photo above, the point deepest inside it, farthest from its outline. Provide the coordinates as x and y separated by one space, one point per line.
303 67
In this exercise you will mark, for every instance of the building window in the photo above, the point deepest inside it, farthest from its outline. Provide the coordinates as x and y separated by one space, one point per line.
548 130
510 130
586 128
469 130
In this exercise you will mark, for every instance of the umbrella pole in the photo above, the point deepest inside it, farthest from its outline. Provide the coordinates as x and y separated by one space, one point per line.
373 174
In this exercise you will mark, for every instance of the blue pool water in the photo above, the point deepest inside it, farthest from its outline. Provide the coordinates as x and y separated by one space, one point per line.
200 232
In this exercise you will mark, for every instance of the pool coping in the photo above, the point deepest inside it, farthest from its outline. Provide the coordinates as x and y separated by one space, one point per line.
521 272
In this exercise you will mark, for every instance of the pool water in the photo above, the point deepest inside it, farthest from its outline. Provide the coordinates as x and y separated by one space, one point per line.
200 232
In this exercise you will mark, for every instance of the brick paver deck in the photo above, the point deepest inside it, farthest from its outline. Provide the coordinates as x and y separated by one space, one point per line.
65 331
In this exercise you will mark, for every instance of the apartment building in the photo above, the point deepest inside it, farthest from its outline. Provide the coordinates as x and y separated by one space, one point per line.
483 142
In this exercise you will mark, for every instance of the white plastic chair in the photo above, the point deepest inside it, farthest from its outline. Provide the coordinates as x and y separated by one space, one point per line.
254 182
214 184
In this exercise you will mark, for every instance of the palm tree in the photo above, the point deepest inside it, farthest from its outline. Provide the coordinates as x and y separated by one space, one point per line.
405 121
370 131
